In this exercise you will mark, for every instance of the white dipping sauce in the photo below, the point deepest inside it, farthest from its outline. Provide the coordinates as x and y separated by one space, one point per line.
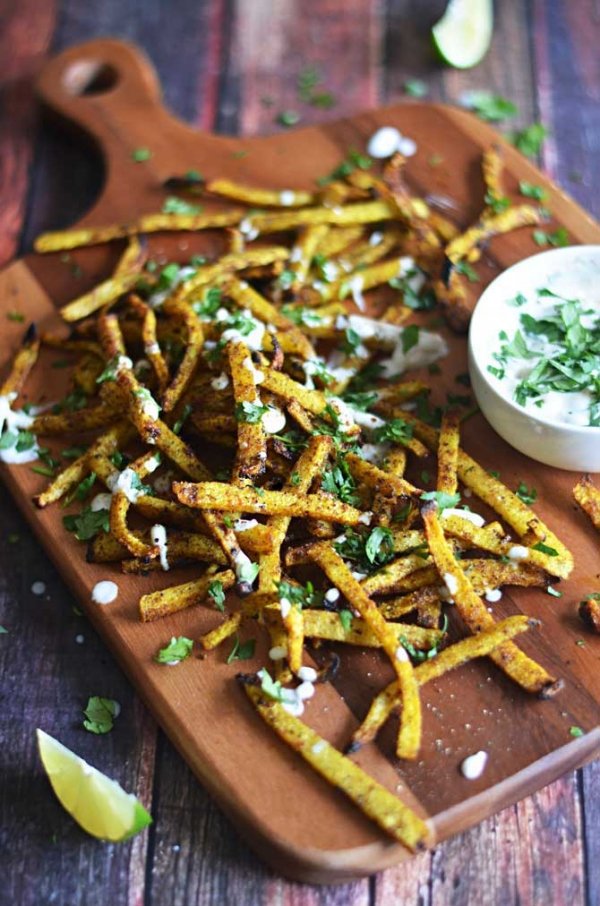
105 592
571 407
473 765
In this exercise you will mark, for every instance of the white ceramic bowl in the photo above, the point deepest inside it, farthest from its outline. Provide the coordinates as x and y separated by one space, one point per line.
567 272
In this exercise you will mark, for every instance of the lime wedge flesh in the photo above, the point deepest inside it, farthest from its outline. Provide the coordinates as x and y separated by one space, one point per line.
96 802
464 33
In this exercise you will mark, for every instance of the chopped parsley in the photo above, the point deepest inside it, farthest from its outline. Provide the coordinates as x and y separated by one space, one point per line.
558 239
417 300
248 572
287 118
490 107
295 479
81 491
15 316
498 204
20 440
100 714
338 481
286 279
415 88
175 205
302 317
465 269
530 190
176 651
293 440
527 495
544 549
365 378
576 731
571 366
410 337
346 619
300 595
442 499
362 401
353 161
251 413
395 430
308 81
370 551
530 140
241 651
88 523
139 155
210 303
73 402
272 688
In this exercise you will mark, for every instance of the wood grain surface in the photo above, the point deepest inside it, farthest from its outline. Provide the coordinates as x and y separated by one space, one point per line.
541 850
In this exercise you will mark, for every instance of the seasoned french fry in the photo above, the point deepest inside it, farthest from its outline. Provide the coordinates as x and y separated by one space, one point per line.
587 496
480 645
251 456
387 810
193 352
171 600
493 225
209 495
64 240
106 294
522 669
259 198
447 480
222 632
336 570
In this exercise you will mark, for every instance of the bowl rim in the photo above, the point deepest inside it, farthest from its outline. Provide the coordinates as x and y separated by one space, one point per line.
588 431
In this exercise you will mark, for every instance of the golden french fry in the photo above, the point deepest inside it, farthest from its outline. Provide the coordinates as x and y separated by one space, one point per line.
522 669
212 495
336 570
587 496
171 600
251 456
447 480
222 632
480 645
259 198
387 810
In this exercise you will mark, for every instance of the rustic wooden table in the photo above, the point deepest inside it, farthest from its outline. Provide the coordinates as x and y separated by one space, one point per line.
231 67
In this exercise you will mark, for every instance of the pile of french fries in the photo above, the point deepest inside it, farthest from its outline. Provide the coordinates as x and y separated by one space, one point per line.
222 436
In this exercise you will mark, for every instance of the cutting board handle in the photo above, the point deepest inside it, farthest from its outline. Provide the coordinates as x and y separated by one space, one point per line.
109 90
91 83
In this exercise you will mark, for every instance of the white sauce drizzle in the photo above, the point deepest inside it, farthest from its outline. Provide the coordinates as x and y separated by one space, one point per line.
105 592
158 536
473 765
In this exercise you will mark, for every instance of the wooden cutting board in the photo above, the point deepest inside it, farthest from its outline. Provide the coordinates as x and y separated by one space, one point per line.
108 91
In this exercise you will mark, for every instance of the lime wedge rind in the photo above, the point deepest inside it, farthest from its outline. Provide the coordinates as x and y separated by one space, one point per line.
464 33
98 804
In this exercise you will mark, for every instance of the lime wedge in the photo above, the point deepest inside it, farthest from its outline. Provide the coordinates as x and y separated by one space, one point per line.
463 34
96 802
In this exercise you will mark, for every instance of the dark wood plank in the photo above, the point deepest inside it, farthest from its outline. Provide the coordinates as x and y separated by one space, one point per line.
24 38
565 39
224 125
199 857
51 662
275 43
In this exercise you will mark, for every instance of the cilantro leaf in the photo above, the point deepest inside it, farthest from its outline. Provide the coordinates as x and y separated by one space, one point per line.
395 430
175 205
528 496
88 523
530 140
272 688
217 593
490 107
410 337
141 154
346 619
379 545
100 714
530 190
241 651
545 549
300 595
176 651
338 481
465 269
251 413
415 88
442 499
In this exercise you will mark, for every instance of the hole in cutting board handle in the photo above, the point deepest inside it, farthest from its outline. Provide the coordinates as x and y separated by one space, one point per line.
90 77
